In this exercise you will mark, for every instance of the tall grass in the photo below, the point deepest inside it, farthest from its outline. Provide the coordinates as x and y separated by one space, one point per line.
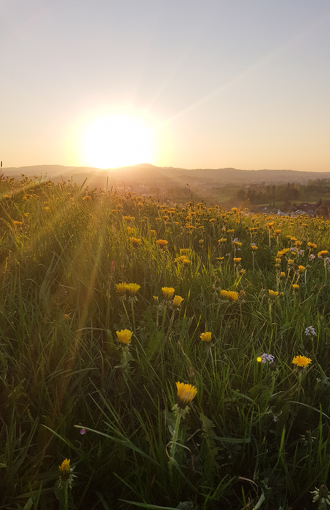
256 434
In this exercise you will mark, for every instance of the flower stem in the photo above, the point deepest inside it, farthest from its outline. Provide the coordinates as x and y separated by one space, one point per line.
174 440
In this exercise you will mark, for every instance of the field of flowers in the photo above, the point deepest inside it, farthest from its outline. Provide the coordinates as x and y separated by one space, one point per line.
160 356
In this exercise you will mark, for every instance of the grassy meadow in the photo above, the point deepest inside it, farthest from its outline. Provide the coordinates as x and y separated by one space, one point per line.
91 415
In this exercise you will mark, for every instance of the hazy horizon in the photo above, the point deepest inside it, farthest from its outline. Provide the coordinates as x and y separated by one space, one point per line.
185 84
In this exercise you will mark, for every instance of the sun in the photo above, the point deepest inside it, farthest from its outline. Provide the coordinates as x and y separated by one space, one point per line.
117 140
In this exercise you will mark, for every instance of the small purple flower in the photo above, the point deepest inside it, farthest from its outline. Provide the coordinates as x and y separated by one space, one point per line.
327 262
302 252
310 331
267 357
82 432
311 257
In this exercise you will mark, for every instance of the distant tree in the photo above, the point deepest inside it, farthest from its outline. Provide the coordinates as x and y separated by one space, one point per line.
241 194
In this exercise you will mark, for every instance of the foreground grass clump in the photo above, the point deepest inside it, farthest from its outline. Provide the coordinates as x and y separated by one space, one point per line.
158 355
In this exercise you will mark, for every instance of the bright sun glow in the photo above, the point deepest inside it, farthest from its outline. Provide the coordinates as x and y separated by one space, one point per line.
117 140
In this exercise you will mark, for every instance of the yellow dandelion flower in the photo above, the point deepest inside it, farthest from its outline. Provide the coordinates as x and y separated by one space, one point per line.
206 337
186 392
272 293
259 359
132 288
177 300
301 361
295 286
124 336
121 288
135 242
87 197
229 294
168 292
282 274
237 260
65 466
322 253
311 245
161 243
301 269
254 247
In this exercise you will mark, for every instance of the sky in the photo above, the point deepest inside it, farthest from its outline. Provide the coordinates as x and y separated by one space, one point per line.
181 83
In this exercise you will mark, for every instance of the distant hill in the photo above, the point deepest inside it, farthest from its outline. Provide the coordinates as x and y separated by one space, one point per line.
149 175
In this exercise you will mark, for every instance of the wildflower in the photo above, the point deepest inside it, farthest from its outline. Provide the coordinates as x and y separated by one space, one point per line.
82 432
237 260
124 336
18 223
132 288
161 243
66 316
295 286
182 258
254 247
135 242
272 293
229 294
282 274
121 288
310 331
153 232
237 243
87 197
322 253
186 393
290 262
301 269
301 361
130 230
266 357
222 240
64 467
311 245
177 300
206 337
323 495
168 292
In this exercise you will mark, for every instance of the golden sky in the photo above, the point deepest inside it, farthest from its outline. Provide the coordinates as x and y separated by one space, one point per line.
180 83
